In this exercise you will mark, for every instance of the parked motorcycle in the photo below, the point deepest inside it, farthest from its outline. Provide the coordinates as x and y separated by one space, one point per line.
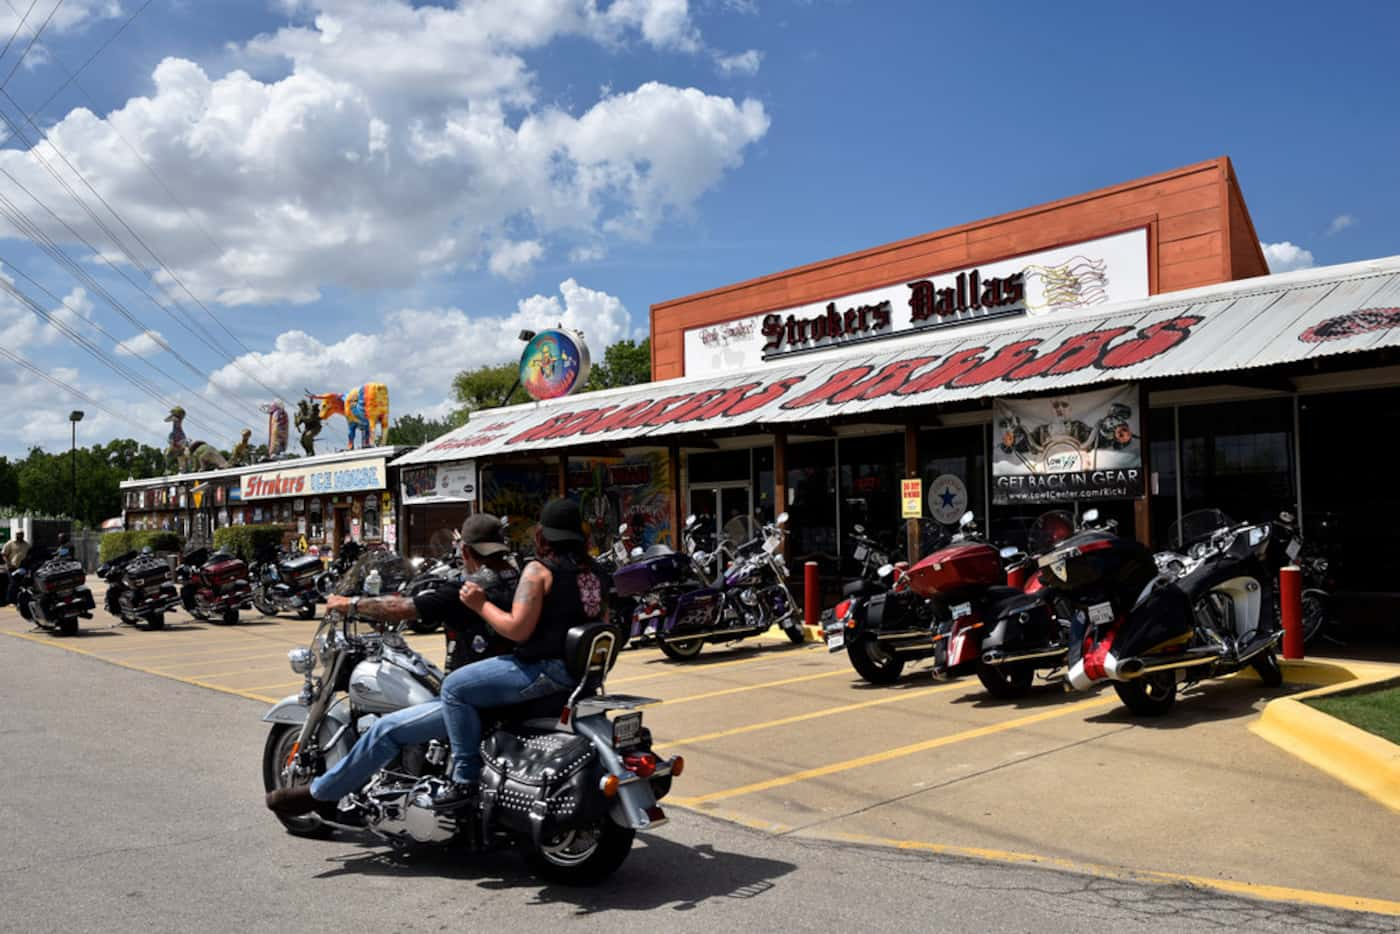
660 591
53 594
214 586
877 651
140 588
285 583
563 782
1148 630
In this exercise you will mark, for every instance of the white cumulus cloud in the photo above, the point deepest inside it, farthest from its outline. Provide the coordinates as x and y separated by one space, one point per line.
1339 223
142 345
1285 256
511 260
742 64
403 140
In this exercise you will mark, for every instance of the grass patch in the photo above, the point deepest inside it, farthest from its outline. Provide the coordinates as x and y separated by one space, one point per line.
1375 710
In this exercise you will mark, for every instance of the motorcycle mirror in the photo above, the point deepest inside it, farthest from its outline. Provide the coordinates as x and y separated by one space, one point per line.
885 570
781 520
1090 515
622 529
967 519
636 552
859 529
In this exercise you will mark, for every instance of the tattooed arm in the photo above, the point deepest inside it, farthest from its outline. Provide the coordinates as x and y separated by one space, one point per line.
390 608
524 615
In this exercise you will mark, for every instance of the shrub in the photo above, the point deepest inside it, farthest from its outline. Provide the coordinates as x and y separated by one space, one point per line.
119 543
247 540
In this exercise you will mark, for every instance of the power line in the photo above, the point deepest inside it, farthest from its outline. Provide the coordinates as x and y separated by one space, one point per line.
73 390
73 76
33 39
18 26
28 228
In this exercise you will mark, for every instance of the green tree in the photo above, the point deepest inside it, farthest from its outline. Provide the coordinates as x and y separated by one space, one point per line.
416 430
9 483
486 388
625 363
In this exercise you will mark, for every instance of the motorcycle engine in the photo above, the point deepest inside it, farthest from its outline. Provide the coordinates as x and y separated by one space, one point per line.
392 809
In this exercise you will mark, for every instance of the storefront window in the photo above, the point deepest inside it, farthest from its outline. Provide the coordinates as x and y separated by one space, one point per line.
371 517
1161 434
871 471
1238 457
316 521
959 454
518 492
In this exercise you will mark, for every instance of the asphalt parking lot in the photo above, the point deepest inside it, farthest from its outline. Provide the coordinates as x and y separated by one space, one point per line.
789 740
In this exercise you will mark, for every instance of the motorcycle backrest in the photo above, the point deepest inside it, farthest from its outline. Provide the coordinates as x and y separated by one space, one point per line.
590 650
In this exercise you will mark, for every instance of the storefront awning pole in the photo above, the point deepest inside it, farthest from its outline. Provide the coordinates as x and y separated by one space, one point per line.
1143 504
563 475
911 471
673 479
780 493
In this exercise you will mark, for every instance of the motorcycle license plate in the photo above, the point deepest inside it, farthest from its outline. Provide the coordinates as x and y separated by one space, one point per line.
861 552
961 610
1101 614
1294 549
835 637
627 730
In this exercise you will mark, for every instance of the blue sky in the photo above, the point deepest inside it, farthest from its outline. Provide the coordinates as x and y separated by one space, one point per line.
385 191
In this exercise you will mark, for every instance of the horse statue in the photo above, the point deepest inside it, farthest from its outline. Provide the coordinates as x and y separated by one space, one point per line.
364 407
183 451
309 424
239 457
276 429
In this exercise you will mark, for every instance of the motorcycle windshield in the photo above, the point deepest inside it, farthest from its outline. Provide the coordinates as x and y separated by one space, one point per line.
394 570
1197 527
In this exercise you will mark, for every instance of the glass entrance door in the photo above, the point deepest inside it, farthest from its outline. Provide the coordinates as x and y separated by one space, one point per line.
730 506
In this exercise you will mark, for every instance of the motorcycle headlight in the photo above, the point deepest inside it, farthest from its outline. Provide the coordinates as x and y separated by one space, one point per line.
1258 535
301 660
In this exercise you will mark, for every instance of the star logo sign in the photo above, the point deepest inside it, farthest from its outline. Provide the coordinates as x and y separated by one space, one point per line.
948 497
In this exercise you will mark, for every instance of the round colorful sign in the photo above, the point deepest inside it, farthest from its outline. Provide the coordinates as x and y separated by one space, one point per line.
554 364
947 498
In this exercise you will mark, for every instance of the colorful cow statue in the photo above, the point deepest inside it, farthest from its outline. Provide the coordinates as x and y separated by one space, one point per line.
184 451
364 407
277 429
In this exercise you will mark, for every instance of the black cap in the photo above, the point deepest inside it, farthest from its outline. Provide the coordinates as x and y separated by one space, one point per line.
561 521
482 533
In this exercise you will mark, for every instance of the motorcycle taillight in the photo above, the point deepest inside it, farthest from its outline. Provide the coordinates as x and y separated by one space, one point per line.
843 609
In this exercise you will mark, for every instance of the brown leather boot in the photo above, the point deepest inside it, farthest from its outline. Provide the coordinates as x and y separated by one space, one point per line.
293 801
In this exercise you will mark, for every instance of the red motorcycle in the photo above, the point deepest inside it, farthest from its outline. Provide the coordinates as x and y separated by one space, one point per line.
214 586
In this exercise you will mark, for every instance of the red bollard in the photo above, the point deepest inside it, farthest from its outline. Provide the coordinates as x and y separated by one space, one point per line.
1290 595
812 596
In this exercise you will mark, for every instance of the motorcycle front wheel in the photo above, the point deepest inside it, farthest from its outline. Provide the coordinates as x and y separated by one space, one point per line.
1267 666
306 611
795 633
873 662
155 620
584 856
229 616
68 626
277 755
1149 695
262 604
681 651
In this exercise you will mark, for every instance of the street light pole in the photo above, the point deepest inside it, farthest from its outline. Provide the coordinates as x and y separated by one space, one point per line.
74 417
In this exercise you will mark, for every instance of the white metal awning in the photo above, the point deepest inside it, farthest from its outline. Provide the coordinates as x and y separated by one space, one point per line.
1222 328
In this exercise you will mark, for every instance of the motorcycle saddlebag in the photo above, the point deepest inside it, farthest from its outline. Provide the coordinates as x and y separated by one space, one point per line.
1163 623
895 611
225 571
540 784
301 569
145 571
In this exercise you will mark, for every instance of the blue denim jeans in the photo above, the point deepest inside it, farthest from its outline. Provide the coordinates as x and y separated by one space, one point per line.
492 682
377 748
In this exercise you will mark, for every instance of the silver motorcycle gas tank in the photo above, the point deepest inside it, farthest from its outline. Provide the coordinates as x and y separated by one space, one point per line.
379 687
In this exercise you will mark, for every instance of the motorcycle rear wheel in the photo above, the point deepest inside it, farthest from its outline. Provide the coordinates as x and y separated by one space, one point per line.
306 611
874 662
276 752
1006 681
582 857
795 633
681 651
263 605
229 616
1148 696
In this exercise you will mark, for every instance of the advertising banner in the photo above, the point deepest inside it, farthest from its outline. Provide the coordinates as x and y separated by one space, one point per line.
344 477
912 494
1067 447
439 483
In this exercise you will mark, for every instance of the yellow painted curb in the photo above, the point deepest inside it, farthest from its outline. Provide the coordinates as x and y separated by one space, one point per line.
1354 757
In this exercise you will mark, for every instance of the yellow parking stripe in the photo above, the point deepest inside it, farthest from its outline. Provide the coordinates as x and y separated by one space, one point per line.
753 687
897 753
684 668
1277 893
53 643
813 715
274 658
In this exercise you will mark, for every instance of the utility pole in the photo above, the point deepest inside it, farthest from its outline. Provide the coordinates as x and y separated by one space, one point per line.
74 417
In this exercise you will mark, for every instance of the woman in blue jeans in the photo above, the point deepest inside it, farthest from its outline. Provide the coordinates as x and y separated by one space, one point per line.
558 590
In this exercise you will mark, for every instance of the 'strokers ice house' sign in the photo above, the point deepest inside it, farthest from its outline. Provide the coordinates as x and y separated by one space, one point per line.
344 477
1080 275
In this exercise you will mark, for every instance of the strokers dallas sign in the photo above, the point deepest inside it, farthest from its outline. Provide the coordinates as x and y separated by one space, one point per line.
344 477
1080 275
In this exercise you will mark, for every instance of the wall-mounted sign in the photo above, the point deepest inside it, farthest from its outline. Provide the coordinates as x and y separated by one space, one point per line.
1067 447
555 363
911 493
438 483
947 498
344 477
1080 275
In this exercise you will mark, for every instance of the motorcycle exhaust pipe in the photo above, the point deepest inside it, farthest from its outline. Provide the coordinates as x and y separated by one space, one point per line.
1127 669
998 657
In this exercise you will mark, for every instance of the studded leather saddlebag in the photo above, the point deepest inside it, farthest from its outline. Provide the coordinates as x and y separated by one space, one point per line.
540 784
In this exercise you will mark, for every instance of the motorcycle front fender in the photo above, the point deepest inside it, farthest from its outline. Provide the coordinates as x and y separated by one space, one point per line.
289 710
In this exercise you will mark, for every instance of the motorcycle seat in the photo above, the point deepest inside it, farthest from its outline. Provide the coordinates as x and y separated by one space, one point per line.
547 706
860 588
